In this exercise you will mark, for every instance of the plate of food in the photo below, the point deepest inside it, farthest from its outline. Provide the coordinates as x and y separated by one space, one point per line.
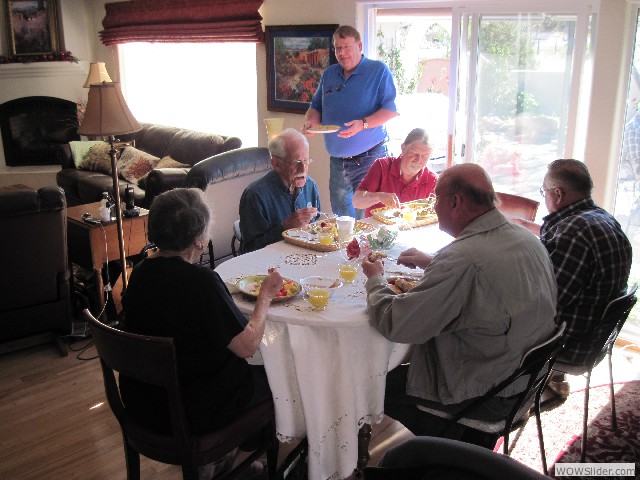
322 235
324 129
402 284
250 286
412 214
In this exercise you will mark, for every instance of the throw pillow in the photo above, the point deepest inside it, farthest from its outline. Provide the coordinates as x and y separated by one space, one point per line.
135 164
98 159
168 162
79 150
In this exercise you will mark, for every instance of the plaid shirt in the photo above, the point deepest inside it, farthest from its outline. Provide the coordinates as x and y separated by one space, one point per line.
591 257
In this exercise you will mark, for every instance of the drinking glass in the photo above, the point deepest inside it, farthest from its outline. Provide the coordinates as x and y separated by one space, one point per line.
325 238
348 272
318 298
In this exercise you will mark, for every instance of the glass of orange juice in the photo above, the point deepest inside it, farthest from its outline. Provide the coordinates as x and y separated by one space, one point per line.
325 238
348 272
409 215
318 298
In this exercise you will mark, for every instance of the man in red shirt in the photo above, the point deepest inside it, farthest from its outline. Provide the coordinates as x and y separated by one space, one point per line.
391 181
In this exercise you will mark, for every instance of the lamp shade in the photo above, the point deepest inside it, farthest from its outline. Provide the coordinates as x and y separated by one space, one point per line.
107 113
97 74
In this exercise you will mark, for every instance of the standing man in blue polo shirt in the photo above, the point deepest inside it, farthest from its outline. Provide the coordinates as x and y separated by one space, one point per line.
358 94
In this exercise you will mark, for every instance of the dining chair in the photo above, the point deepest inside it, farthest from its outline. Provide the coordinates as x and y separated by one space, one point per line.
606 332
153 360
513 206
536 366
426 458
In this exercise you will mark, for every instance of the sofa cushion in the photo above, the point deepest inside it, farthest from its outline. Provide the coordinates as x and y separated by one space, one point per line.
79 150
166 162
98 159
135 164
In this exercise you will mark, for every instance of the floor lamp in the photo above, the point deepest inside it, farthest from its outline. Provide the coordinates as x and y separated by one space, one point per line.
107 115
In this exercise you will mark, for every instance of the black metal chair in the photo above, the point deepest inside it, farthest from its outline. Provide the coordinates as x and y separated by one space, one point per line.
606 330
536 367
423 458
152 360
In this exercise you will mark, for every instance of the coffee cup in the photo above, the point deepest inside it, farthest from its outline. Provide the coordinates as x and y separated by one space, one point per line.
345 226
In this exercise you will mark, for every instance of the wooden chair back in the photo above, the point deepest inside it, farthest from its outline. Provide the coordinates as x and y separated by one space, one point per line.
514 206
153 360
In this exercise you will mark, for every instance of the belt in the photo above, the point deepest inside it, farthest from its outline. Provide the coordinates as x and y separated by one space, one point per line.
363 154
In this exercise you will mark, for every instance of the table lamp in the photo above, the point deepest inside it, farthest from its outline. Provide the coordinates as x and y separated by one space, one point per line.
97 74
107 114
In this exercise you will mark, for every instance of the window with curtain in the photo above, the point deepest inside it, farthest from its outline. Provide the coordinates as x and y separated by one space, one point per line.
189 85
182 21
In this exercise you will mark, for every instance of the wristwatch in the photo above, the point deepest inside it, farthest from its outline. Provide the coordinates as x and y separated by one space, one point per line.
365 124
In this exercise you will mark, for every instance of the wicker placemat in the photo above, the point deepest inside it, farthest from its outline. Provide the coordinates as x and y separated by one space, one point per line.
423 204
359 228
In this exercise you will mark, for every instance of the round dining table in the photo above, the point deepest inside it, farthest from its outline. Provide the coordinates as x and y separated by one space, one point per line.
326 368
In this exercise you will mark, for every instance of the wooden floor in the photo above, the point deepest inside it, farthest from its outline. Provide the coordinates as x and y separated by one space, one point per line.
55 423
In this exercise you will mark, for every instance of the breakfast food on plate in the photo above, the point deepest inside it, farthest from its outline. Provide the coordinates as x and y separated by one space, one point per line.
401 284
373 256
289 288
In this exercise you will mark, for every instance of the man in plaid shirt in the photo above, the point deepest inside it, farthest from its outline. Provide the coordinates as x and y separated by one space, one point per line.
590 253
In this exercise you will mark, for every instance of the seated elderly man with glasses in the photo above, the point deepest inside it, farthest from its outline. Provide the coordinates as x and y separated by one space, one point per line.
284 198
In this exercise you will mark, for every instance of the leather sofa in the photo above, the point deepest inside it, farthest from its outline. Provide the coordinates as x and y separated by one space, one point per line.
35 269
185 146
223 178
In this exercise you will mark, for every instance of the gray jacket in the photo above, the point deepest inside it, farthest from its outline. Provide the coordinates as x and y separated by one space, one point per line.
486 298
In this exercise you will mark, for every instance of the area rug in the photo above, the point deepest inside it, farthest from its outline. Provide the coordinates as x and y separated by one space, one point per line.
562 429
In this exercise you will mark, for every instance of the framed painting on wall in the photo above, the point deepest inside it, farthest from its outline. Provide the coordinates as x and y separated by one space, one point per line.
296 57
32 26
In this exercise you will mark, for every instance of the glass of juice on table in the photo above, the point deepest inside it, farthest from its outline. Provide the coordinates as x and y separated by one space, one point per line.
325 238
348 272
318 298
409 215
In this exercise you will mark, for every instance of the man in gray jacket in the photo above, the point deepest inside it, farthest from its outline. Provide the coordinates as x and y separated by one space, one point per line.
484 300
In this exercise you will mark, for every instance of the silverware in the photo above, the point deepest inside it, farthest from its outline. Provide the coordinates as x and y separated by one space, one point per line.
404 274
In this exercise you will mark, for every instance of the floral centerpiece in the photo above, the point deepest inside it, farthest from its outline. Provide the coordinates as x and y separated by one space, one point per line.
383 239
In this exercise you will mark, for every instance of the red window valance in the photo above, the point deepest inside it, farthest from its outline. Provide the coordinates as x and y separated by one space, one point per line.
182 21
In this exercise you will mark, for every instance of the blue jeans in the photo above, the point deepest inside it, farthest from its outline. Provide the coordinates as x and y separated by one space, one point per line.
346 175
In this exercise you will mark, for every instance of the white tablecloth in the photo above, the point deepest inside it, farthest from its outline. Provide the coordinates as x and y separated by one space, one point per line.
326 369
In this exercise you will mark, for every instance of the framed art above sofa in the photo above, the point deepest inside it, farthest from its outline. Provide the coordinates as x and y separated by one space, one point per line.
296 57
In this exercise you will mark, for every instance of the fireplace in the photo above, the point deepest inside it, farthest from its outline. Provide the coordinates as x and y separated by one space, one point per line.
32 128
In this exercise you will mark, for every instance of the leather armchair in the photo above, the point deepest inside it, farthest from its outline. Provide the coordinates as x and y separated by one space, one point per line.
35 269
223 178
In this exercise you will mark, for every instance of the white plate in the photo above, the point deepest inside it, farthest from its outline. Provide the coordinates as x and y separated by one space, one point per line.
249 286
324 129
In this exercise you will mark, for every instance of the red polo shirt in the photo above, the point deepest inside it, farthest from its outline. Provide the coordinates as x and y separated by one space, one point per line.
384 176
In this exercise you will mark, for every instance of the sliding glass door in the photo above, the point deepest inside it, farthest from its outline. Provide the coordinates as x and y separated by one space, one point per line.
518 100
496 83
627 204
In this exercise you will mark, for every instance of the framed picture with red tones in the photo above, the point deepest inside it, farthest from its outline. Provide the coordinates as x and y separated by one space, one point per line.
296 57
32 26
